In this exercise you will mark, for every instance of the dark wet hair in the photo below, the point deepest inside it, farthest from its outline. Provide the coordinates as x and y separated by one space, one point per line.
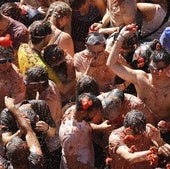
144 57
88 102
87 84
161 56
112 104
36 74
39 30
76 4
53 54
12 10
136 121
115 96
6 52
16 147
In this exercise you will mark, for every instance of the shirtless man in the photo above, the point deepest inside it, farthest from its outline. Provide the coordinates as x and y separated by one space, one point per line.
154 87
136 144
92 61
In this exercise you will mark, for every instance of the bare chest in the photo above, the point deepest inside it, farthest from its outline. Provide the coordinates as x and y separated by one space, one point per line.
102 74
158 100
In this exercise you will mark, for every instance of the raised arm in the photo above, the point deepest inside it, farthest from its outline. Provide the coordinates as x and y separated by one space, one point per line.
120 70
30 136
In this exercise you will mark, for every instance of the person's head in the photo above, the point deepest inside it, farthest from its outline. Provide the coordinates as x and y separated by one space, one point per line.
141 57
135 121
29 113
112 104
159 64
88 107
34 110
17 152
87 84
12 10
36 79
6 53
95 44
82 6
54 56
59 13
39 31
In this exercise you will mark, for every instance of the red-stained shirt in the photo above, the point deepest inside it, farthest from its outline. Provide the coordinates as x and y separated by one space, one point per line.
11 84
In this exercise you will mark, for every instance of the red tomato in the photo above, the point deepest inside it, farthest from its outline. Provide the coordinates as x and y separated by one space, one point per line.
129 138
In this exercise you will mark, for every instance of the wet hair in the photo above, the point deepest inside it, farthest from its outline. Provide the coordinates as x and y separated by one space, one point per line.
39 30
16 147
111 104
6 52
144 57
31 114
53 54
12 10
161 56
87 84
136 121
36 74
95 38
76 4
58 10
38 107
88 102
116 96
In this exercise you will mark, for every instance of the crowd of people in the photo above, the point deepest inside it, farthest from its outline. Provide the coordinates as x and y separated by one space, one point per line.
84 84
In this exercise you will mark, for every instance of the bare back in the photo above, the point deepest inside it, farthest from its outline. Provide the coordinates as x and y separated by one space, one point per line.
122 12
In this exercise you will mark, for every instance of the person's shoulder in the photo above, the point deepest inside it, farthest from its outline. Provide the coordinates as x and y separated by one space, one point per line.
17 25
117 134
81 55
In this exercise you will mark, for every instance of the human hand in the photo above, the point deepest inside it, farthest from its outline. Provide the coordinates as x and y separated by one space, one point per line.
126 31
9 102
42 126
95 27
154 133
164 149
105 126
163 126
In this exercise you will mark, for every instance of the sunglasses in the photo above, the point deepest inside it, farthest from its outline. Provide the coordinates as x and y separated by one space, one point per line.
34 83
6 60
93 53
153 68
